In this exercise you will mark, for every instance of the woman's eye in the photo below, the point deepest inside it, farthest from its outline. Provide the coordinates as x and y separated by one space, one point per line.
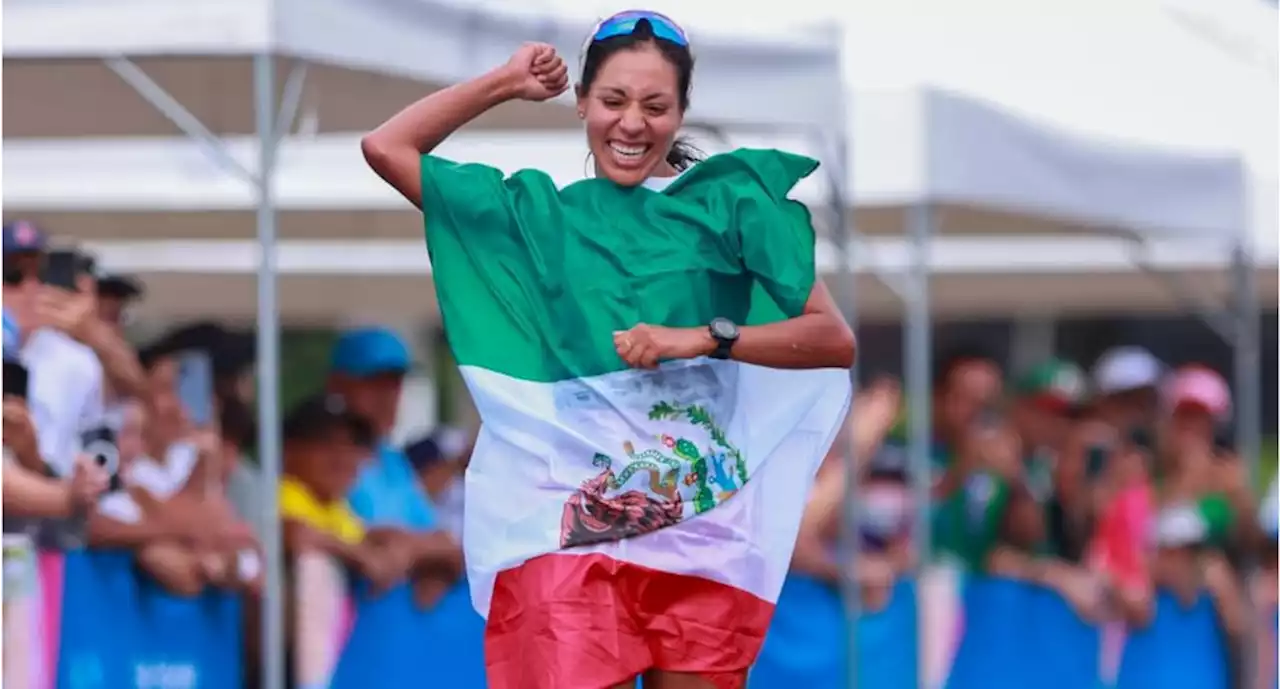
613 104
656 111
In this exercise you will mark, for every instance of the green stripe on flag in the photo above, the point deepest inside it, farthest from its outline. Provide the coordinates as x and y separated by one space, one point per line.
533 281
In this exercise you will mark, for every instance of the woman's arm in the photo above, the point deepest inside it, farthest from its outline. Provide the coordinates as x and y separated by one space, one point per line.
28 494
817 338
394 149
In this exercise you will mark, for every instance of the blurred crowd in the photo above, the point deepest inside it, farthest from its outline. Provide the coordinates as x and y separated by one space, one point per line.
149 449
1104 485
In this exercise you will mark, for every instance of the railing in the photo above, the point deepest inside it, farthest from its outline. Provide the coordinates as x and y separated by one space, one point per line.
108 627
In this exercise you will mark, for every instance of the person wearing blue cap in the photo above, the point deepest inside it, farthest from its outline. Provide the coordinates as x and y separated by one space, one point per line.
367 369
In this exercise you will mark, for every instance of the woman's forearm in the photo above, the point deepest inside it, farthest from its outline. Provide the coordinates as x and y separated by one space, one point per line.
393 149
813 340
27 494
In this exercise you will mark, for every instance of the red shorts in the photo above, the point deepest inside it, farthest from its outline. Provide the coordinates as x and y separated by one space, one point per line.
563 621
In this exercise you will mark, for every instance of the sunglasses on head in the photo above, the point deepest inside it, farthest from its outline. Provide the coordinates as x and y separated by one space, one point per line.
624 24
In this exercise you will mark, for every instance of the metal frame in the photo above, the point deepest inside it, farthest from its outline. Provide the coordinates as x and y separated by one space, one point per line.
271 126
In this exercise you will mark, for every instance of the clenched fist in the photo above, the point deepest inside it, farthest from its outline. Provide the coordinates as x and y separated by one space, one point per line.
537 72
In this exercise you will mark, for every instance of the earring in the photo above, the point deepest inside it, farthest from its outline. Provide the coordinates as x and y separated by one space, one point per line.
582 115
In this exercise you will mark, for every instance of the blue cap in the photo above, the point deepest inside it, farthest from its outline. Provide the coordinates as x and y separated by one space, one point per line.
21 236
369 351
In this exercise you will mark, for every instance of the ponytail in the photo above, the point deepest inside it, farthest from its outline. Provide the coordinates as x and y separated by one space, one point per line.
683 155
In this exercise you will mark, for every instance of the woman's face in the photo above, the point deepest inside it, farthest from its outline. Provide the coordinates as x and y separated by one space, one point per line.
632 113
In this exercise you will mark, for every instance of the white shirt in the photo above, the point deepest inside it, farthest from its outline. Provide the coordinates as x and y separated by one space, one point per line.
165 478
64 394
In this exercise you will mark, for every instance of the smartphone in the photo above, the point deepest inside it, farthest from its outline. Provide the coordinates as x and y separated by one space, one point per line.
100 445
62 269
15 379
195 387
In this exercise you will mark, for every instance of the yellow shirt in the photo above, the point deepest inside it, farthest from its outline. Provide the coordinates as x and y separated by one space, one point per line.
336 518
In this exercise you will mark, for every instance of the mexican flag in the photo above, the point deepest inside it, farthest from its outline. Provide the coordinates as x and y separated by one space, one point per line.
599 498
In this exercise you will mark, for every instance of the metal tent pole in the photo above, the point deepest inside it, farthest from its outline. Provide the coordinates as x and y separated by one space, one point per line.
1248 384
919 397
273 671
1247 366
844 234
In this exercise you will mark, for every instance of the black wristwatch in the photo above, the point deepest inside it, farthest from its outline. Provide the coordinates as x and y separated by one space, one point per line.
725 333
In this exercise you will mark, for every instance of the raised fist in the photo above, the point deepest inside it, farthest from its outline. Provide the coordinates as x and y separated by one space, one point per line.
537 72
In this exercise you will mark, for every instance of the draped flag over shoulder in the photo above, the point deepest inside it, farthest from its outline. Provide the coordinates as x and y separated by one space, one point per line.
694 474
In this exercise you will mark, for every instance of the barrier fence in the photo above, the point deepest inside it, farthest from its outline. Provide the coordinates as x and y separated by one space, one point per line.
104 626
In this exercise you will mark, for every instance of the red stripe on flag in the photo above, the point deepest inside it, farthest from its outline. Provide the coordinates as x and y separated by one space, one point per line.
589 622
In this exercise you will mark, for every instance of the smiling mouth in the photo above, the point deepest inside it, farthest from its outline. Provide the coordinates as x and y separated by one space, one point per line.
628 153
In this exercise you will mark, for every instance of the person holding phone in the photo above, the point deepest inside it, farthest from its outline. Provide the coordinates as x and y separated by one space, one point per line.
49 300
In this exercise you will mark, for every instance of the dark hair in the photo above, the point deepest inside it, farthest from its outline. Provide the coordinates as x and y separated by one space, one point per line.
683 154
946 363
237 423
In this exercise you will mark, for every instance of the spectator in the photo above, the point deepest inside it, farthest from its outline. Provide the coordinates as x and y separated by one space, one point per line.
883 487
181 480
117 294
967 382
1125 382
1046 402
368 369
65 389
166 542
1046 397
1122 489
325 443
441 462
1205 504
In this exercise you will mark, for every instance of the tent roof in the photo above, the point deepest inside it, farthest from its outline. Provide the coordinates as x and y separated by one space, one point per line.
431 41
326 282
1192 77
988 172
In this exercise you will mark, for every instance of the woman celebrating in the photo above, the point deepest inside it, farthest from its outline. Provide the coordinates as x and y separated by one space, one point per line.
657 370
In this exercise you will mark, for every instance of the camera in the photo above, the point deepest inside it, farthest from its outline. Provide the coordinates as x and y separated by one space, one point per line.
100 445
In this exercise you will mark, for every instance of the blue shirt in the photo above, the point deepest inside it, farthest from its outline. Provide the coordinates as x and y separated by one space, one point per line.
12 336
388 493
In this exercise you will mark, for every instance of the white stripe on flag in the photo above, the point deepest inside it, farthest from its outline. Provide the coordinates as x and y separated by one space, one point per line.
535 449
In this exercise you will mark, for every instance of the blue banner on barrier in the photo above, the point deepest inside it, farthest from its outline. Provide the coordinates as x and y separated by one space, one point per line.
1018 635
808 641
120 629
399 644
1182 649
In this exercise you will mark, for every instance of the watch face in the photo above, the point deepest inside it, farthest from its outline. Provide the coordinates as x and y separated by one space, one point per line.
724 329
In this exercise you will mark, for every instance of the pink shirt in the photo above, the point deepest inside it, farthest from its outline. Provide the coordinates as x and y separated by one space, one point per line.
1120 541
